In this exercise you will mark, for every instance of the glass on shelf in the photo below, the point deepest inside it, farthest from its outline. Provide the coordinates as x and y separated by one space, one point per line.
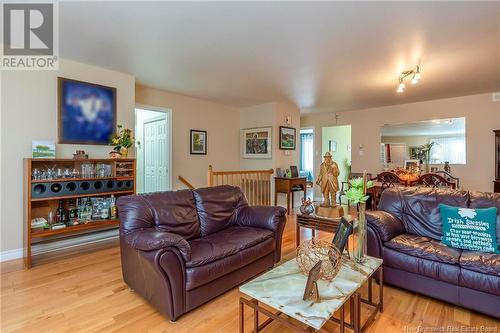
88 170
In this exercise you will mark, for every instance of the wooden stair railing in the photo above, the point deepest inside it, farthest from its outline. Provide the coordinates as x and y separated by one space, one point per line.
186 183
256 184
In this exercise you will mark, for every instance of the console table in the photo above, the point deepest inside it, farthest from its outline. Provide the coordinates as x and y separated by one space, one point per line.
287 186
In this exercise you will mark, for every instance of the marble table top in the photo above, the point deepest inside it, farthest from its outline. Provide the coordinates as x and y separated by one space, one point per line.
282 288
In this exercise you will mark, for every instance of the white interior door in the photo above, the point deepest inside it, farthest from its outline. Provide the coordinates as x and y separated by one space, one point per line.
155 156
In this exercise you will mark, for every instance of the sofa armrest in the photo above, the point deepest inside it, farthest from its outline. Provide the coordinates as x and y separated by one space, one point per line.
386 225
265 217
150 239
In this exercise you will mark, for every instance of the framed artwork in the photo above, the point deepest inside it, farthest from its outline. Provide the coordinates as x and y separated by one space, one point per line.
86 112
256 142
294 171
198 142
332 146
434 169
412 164
414 153
43 149
287 138
344 229
311 291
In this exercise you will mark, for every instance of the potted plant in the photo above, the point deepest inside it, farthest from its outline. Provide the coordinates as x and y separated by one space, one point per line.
122 140
425 154
357 195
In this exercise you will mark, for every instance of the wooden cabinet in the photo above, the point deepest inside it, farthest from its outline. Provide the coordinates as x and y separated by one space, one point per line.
496 182
49 183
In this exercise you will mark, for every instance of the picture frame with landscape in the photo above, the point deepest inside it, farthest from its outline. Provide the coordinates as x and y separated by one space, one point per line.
43 149
287 138
198 142
257 142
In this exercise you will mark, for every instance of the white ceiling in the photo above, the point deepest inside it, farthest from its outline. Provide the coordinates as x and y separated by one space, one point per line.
430 127
322 56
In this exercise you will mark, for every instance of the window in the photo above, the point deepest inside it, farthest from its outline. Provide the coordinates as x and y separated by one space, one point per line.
306 150
448 149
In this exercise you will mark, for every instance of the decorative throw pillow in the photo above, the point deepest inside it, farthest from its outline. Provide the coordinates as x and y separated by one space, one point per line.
469 229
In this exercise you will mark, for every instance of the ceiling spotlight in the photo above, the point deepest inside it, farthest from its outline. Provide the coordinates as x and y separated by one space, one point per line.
415 78
401 86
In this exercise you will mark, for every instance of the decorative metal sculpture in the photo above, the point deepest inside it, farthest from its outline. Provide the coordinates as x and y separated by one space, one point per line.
310 252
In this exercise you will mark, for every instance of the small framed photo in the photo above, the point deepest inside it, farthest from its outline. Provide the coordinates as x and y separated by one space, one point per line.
43 149
332 146
287 138
294 171
412 164
344 230
434 169
198 142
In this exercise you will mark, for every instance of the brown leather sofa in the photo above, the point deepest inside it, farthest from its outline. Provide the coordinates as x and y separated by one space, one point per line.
180 249
406 232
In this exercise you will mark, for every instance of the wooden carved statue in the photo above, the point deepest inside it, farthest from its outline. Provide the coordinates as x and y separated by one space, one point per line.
328 180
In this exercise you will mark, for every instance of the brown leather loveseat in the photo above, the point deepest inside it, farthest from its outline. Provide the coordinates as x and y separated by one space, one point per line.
406 232
180 249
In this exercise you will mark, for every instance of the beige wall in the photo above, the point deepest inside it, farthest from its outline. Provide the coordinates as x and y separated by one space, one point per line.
271 115
220 121
482 117
29 112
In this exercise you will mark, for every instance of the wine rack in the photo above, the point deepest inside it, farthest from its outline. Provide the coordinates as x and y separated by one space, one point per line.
42 194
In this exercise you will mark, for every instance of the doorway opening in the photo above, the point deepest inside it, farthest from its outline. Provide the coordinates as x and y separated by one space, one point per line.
337 140
307 153
153 135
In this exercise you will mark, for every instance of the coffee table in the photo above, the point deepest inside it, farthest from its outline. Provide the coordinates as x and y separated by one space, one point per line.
282 289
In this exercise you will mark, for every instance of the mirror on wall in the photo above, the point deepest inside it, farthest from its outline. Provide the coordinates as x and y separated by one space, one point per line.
404 144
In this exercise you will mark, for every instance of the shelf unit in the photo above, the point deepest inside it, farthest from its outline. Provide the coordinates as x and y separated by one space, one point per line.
496 182
41 196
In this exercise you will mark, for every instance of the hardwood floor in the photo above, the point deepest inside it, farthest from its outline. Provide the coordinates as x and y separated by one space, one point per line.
85 293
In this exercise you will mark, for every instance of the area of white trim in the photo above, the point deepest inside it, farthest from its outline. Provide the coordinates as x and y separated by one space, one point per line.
62 244
11 254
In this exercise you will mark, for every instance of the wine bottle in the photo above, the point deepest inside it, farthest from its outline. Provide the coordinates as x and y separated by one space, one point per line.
112 208
72 212
88 210
61 214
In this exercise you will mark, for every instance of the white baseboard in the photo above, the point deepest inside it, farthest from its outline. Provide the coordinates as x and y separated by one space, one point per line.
62 244
11 254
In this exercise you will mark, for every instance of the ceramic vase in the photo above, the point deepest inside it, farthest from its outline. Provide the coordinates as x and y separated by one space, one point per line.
124 152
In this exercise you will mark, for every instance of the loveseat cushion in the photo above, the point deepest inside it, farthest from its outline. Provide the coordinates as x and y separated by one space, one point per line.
224 244
418 207
170 211
226 251
433 269
488 263
216 207
424 247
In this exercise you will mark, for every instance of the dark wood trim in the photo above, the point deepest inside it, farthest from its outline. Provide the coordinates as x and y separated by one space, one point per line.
60 81
294 138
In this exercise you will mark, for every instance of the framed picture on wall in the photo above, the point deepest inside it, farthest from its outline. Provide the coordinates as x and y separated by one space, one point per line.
256 142
198 142
412 164
287 138
86 112
332 146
